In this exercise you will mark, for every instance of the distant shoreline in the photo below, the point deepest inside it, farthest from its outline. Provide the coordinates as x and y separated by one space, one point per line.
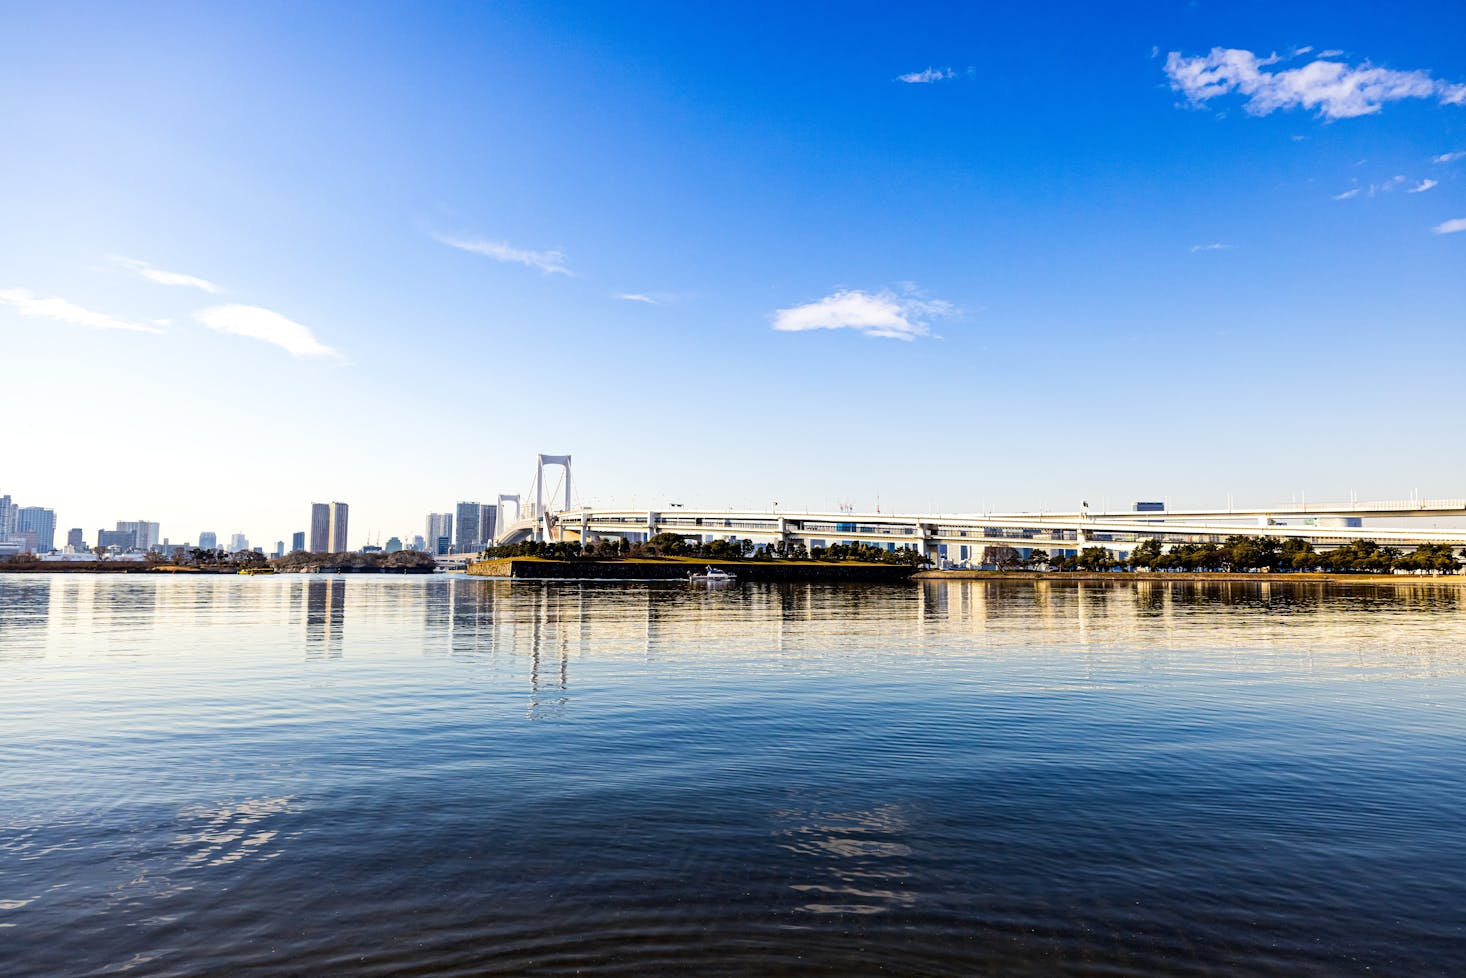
538 568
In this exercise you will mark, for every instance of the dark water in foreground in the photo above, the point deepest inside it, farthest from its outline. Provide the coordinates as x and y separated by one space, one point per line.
406 776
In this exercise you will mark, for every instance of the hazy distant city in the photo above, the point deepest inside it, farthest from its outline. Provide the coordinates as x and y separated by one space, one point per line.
466 529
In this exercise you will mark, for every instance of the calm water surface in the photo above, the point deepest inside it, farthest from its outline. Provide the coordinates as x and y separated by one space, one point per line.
451 776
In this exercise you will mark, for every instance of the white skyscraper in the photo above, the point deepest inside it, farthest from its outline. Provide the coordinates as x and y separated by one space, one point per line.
145 535
440 532
320 528
338 528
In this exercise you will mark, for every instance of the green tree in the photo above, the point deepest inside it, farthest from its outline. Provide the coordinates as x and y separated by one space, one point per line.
1038 559
1095 559
668 543
1147 554
1297 554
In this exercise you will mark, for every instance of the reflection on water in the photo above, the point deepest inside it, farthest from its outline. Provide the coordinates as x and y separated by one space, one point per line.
379 775
325 618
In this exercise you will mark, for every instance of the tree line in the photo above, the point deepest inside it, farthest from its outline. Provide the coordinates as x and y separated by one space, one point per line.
1242 553
673 545
304 560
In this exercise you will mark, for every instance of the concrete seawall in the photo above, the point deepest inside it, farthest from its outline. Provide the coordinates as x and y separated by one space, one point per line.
1184 577
529 568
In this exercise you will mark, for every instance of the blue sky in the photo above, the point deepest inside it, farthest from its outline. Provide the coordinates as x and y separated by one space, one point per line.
387 253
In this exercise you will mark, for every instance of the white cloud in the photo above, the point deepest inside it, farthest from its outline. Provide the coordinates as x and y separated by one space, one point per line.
25 302
549 262
1449 157
263 324
637 297
1347 194
1385 187
887 314
1423 186
1214 246
163 277
927 77
1450 227
1334 89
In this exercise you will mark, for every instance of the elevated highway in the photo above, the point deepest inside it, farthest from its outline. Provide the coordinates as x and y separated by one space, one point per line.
960 538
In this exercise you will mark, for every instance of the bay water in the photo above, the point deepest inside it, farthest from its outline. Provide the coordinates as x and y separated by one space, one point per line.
444 775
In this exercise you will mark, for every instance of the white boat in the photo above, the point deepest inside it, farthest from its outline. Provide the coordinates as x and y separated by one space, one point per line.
713 576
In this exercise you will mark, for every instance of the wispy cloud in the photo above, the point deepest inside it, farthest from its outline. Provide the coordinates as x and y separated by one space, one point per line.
1449 157
638 297
1352 192
549 262
1423 186
1450 227
164 277
888 314
1334 89
1393 183
26 303
264 324
1214 246
927 76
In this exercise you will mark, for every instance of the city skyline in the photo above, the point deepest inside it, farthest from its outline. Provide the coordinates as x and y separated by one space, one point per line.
988 258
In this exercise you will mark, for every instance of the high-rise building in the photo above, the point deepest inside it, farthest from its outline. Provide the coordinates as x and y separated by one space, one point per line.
279 548
145 535
393 545
468 538
297 541
208 540
320 528
238 542
440 525
338 528
74 541
123 540
488 524
39 521
7 517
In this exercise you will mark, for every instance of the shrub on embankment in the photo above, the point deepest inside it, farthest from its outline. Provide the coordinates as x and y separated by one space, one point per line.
1240 553
673 545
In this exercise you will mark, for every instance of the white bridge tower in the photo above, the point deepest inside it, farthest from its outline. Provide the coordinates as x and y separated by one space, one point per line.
544 528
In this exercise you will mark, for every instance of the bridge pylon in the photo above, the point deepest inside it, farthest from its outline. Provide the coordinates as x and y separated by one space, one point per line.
541 514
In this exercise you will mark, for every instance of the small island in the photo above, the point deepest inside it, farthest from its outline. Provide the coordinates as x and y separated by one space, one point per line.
668 556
